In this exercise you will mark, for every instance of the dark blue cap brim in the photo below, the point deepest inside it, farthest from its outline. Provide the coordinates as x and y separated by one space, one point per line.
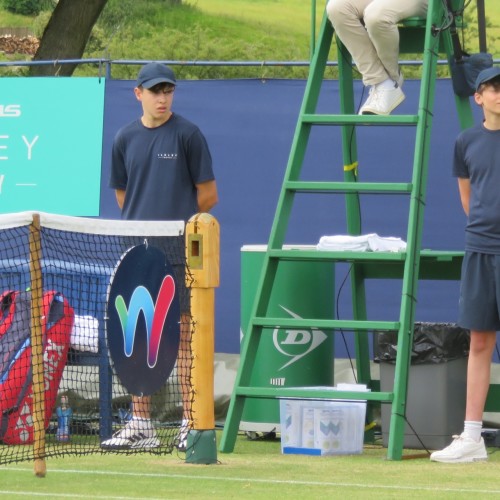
486 75
155 81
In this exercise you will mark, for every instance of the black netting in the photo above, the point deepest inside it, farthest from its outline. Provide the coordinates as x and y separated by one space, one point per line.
62 277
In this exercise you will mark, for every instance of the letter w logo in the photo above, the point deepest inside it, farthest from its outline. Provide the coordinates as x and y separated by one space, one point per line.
155 316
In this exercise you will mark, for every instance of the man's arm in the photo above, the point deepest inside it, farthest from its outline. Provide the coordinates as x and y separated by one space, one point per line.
207 195
464 190
120 197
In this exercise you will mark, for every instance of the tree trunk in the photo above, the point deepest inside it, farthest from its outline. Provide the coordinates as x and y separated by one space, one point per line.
66 35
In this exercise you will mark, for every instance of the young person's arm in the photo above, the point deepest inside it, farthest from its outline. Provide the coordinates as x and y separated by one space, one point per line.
207 195
120 197
464 190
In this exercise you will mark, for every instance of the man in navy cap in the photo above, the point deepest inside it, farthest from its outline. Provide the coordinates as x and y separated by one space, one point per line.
161 169
477 166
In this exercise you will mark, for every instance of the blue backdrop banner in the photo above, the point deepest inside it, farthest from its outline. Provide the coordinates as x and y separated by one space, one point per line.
249 125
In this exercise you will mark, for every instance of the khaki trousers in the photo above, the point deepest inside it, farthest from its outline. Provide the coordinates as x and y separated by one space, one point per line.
374 47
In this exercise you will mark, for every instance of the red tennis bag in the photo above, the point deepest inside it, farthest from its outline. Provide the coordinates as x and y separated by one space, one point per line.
16 372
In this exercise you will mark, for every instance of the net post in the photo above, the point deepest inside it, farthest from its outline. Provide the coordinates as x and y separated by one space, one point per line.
203 261
38 388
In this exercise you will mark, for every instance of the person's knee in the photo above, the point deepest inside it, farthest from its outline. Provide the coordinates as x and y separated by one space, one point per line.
482 343
339 10
378 20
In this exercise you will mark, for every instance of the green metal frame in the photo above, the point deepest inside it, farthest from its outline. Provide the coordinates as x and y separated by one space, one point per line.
411 266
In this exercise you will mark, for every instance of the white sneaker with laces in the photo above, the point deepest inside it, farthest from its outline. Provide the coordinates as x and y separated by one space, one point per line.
381 101
136 434
463 449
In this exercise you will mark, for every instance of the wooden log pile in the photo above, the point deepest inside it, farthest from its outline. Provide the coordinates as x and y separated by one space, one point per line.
11 44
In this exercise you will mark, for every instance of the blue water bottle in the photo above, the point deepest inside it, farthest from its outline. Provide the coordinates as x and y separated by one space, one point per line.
64 414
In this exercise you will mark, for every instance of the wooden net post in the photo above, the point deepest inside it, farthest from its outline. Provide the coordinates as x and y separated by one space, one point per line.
203 258
38 386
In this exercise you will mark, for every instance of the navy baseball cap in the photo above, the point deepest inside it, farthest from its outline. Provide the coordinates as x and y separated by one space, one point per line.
154 73
486 75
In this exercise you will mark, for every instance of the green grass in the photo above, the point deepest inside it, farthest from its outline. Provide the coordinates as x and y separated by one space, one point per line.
223 30
278 16
239 30
236 30
205 30
9 20
256 469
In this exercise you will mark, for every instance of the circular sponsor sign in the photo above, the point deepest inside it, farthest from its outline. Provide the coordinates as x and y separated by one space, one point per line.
143 325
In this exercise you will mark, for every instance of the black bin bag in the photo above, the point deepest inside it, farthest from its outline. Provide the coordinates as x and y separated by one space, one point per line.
432 343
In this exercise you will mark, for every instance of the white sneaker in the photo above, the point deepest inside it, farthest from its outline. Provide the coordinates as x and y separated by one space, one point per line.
135 435
463 449
382 101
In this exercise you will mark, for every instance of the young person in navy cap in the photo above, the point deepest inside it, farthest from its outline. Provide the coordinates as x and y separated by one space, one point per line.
477 166
161 169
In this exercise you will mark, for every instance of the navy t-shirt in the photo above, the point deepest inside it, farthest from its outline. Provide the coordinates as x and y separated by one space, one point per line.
159 169
477 158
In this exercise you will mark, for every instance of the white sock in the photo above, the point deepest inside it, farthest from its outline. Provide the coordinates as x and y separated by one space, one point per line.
141 421
473 430
386 84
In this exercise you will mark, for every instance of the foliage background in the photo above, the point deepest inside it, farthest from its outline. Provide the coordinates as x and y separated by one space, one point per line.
216 30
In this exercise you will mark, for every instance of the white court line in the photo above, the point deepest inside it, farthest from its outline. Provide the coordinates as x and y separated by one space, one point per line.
30 494
265 481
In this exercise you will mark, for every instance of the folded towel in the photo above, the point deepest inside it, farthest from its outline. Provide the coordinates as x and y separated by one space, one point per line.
344 242
364 243
85 334
386 244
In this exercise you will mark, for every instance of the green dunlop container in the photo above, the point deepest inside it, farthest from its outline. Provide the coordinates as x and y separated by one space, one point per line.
287 358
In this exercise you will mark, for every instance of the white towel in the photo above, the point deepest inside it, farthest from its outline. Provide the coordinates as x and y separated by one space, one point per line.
342 242
386 244
85 334
364 243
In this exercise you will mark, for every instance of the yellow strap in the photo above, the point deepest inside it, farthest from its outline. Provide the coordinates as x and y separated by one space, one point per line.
371 425
352 166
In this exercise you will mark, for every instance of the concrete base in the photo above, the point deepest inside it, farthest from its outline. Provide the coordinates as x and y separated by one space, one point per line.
201 447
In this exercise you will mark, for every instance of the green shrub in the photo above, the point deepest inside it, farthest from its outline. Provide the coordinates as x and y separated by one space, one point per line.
28 7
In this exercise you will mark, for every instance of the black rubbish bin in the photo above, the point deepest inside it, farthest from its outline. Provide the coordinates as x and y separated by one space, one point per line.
436 386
